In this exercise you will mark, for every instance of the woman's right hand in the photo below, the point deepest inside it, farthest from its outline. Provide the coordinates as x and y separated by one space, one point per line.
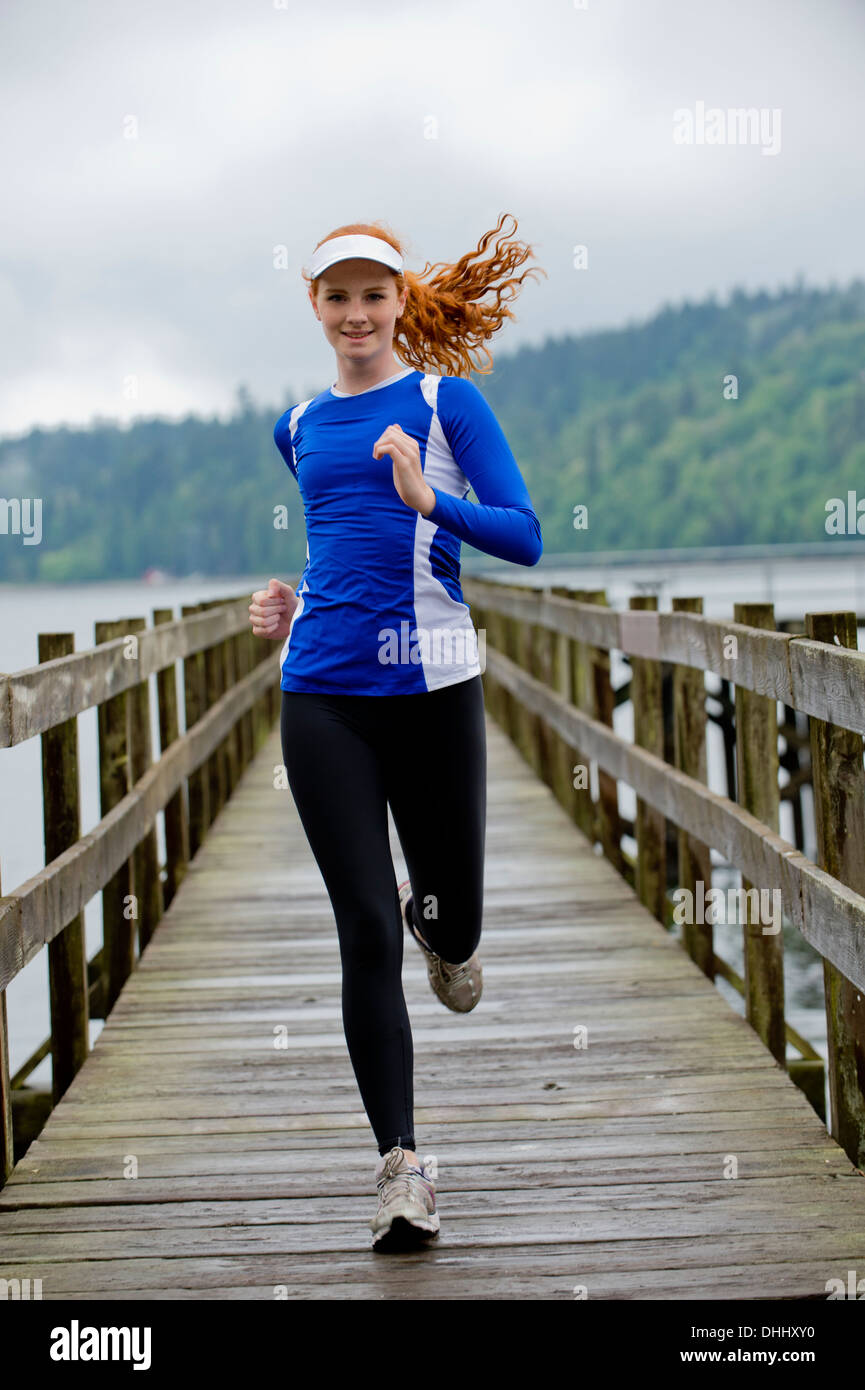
272 609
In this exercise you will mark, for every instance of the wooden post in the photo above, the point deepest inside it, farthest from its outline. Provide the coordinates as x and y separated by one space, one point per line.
527 723
726 699
563 761
757 785
145 856
232 743
255 656
67 958
7 1141
575 777
797 775
541 668
649 824
195 706
266 709
508 646
479 623
216 764
695 861
794 731
603 695
176 817
118 927
583 698
241 666
839 811
497 635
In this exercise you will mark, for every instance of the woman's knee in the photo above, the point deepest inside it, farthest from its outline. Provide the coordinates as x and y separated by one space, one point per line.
450 924
369 937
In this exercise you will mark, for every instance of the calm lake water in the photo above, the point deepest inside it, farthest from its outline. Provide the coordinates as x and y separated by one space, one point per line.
796 585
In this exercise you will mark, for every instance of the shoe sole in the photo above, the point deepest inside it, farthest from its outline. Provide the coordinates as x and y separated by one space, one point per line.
404 1234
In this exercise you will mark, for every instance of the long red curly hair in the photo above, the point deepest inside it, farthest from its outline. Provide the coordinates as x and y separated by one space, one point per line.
444 323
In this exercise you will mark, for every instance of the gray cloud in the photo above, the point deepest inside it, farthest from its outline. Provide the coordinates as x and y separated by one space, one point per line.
260 126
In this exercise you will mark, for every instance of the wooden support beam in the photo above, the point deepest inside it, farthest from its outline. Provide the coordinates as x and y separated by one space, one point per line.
214 684
67 959
118 923
757 783
563 761
195 702
176 814
7 1141
839 809
689 725
145 859
650 825
601 695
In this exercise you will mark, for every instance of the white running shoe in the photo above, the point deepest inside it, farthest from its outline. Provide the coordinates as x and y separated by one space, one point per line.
457 986
406 1215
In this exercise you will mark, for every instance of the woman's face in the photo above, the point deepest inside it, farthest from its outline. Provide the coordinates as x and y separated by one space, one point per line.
357 304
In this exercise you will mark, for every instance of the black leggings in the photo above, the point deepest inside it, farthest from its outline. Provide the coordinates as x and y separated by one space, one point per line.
346 758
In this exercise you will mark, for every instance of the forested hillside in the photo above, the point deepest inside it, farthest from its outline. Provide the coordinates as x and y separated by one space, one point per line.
632 424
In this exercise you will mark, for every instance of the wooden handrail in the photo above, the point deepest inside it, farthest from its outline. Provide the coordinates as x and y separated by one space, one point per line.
43 905
540 700
818 679
40 697
827 913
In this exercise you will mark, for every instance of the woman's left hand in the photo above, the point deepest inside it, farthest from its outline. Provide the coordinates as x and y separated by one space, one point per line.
407 473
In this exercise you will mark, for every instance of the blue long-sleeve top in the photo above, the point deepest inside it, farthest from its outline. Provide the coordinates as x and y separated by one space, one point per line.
380 609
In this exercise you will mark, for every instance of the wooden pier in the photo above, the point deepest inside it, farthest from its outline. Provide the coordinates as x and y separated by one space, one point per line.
603 1125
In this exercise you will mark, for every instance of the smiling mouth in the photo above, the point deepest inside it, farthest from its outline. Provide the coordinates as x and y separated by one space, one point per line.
359 335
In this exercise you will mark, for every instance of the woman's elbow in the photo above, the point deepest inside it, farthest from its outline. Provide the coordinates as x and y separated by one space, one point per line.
535 547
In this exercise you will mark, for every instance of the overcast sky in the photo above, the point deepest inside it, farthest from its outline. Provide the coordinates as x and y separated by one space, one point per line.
155 153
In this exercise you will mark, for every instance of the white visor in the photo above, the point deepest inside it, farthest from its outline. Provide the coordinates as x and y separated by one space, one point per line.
345 248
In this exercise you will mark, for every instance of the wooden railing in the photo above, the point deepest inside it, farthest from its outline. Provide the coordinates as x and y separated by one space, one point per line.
547 682
231 699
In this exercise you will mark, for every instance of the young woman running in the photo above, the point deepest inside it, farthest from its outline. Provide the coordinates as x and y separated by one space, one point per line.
382 699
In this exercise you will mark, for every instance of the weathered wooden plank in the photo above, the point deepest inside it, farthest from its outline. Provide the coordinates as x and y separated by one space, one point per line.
757 782
839 812
617 1269
689 753
67 959
118 925
521 1192
195 707
147 883
326 1223
176 816
649 733
7 1142
598 1148
602 704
